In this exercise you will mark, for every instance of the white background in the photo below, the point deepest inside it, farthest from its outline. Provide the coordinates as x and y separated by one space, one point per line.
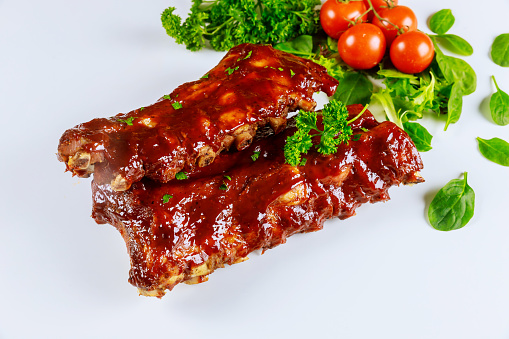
384 273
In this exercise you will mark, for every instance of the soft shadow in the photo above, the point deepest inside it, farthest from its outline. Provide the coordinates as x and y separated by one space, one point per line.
428 197
484 107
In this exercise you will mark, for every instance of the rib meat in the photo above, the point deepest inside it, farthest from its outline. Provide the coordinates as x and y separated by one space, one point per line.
183 230
252 86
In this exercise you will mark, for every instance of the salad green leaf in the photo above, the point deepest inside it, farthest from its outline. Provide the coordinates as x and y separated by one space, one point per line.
453 205
457 70
455 44
500 50
441 21
495 149
354 88
419 134
454 105
499 106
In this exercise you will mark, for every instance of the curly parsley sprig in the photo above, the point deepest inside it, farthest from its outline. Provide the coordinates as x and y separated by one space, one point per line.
227 23
336 130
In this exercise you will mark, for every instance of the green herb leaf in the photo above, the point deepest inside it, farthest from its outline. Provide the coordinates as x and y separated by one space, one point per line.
454 105
457 70
356 137
384 97
354 88
247 56
223 187
455 44
335 131
206 76
332 65
495 149
231 70
453 205
181 176
332 44
499 106
176 105
420 136
166 198
393 73
227 177
255 156
500 50
128 121
226 23
441 21
167 97
302 46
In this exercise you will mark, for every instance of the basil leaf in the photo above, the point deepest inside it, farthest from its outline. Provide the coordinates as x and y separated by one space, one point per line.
457 70
500 50
301 45
455 44
454 105
441 21
419 134
499 106
495 149
354 88
453 206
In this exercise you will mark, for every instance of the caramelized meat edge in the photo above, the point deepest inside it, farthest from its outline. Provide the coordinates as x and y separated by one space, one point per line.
183 230
252 86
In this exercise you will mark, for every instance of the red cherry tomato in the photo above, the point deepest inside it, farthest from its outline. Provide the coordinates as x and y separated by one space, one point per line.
362 46
401 16
336 16
378 5
412 52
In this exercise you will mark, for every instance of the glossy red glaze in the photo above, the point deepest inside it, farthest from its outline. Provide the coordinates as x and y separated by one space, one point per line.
265 201
250 85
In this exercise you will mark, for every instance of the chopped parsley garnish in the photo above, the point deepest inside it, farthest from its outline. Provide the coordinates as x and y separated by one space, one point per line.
281 69
292 73
167 96
231 70
356 137
247 56
142 108
176 105
181 176
224 186
128 121
206 76
256 155
166 198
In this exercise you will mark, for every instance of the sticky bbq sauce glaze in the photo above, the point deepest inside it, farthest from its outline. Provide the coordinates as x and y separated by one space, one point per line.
251 84
231 208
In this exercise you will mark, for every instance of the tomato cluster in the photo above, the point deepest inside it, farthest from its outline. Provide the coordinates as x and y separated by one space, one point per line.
366 28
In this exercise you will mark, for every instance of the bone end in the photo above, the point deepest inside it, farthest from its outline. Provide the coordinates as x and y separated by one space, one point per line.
79 161
206 156
120 184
